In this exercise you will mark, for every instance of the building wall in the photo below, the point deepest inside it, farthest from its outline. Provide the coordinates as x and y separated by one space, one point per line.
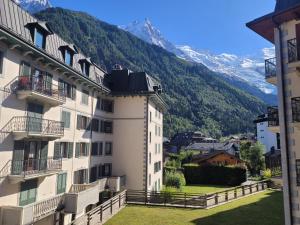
223 159
265 136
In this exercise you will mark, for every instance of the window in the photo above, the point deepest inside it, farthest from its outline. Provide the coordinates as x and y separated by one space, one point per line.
28 192
155 148
95 125
107 105
83 123
155 130
296 109
108 148
149 157
67 89
157 167
25 69
81 176
68 57
150 116
98 104
150 137
107 170
63 150
61 183
82 149
85 68
298 171
39 39
106 127
97 148
85 97
93 174
149 178
1 62
66 118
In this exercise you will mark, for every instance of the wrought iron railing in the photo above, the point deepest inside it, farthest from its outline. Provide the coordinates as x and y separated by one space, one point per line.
296 109
273 116
36 125
270 67
35 166
293 50
41 85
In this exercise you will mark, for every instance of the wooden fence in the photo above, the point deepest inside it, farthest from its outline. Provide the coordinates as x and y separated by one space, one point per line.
103 212
196 200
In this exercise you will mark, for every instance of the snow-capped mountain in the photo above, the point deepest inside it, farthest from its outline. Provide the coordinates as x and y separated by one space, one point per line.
249 69
34 6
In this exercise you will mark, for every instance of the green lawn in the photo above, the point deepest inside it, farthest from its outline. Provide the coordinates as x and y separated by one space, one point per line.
262 209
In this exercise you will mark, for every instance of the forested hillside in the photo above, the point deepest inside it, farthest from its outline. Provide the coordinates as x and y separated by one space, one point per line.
198 99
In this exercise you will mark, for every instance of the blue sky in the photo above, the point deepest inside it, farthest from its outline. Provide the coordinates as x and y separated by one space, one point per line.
215 25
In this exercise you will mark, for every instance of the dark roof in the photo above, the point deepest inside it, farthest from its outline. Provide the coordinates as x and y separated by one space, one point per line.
273 153
285 4
261 118
226 146
204 157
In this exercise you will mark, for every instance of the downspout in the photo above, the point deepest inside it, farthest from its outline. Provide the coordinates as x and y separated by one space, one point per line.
147 142
281 98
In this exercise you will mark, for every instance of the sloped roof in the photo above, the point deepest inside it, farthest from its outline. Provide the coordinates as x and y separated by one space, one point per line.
285 4
204 157
211 146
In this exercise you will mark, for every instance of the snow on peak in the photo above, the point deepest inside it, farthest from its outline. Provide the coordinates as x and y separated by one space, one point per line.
34 6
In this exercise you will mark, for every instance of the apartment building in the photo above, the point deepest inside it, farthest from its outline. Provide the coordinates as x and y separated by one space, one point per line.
68 129
282 28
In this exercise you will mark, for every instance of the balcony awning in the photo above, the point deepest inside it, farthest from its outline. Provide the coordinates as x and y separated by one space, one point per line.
265 25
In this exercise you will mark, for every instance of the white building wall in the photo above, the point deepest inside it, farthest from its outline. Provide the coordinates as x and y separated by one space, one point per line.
265 136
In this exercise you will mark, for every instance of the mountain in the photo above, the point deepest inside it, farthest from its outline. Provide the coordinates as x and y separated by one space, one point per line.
248 69
198 99
34 6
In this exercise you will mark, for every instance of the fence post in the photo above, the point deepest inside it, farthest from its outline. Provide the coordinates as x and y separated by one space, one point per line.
251 189
226 196
257 188
119 200
216 199
243 190
185 200
88 219
111 206
126 196
205 201
101 212
146 197
235 193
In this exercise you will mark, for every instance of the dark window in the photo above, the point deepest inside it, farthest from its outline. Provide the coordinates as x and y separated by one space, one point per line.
82 149
93 175
95 125
85 97
83 123
106 171
1 62
108 148
98 104
66 118
81 176
298 171
63 150
39 39
107 127
28 192
68 57
95 149
61 183
25 69
107 105
85 68
67 89
296 109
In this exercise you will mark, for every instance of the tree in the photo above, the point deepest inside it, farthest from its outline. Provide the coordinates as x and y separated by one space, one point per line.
254 157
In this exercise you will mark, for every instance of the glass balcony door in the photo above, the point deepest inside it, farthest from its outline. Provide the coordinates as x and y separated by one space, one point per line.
35 117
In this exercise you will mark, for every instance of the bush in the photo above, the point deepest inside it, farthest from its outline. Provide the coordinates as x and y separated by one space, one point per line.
174 179
216 175
267 174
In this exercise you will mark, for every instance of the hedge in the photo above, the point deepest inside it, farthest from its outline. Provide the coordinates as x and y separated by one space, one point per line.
215 175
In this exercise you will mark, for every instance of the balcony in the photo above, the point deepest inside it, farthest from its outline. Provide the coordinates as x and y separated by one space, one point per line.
22 170
116 184
31 127
270 70
296 111
29 214
80 196
273 119
39 89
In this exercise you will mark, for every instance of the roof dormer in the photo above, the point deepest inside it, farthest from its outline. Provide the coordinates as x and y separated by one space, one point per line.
68 52
85 66
39 32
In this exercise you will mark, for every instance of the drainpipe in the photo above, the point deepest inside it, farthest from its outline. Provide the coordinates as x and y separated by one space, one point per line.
147 142
284 127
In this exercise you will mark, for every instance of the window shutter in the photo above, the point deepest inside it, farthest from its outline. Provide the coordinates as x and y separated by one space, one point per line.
99 171
57 153
73 92
77 150
88 124
95 148
87 149
70 150
18 157
100 148
102 126
59 183
78 122
85 176
76 177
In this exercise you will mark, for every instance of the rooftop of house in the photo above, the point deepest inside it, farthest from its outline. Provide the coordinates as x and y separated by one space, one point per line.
285 10
204 157
226 146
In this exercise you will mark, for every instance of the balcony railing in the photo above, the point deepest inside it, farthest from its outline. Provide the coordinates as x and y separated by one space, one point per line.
34 125
273 116
293 50
41 85
35 166
270 67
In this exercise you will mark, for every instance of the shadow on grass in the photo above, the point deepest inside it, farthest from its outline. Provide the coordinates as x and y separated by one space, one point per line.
267 211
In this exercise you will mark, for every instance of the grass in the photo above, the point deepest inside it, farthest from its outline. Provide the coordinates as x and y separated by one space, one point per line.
262 209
